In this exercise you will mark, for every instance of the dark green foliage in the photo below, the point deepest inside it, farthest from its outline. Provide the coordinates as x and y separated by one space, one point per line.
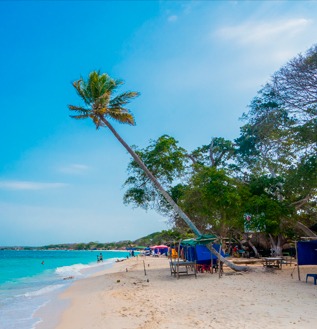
265 143
268 205
167 161
301 180
216 154
214 198
278 146
268 172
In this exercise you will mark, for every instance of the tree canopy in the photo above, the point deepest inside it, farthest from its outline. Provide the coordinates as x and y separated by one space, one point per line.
268 172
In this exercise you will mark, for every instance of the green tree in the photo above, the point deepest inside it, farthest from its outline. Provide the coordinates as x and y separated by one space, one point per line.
180 177
218 153
278 146
265 144
215 199
174 166
167 161
100 105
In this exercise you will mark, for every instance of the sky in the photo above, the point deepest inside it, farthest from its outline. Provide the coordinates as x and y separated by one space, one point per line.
197 65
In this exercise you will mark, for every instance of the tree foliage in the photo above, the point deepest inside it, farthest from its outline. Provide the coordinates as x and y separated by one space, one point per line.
167 161
215 200
100 102
269 171
278 143
296 85
97 93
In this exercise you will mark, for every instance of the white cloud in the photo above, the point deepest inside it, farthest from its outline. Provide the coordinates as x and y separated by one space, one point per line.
260 32
74 168
28 185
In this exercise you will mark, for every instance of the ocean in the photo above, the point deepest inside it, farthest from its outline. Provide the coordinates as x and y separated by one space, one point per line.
31 279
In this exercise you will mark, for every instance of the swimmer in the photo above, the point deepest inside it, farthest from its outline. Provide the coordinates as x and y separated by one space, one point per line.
68 278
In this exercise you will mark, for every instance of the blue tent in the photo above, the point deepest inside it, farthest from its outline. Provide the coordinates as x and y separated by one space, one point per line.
201 254
307 252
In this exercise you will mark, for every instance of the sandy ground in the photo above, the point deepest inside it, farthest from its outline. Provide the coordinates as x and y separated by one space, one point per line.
125 298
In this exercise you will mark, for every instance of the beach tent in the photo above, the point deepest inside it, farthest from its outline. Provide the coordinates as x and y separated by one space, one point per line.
162 249
306 253
196 249
200 253
203 239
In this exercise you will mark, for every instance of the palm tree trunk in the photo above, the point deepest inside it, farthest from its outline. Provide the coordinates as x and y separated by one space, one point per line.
305 229
176 208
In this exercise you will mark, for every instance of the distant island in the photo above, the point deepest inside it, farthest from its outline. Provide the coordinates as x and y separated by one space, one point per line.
163 237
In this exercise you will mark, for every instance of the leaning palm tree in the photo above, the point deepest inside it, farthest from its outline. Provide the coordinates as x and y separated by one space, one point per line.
100 105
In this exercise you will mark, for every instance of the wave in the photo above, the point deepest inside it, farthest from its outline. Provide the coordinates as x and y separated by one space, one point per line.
44 290
71 270
78 270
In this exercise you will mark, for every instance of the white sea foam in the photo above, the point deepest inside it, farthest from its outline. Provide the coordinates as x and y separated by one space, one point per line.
71 270
80 270
44 290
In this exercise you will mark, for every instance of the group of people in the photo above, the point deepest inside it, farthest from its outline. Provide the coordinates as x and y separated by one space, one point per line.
99 258
236 252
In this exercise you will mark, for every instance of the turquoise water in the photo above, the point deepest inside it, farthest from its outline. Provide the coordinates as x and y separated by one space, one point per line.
31 279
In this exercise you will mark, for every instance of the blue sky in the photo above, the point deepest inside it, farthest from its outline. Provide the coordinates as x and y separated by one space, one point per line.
197 65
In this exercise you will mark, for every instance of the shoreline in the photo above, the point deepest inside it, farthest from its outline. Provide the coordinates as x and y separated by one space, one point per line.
49 314
124 297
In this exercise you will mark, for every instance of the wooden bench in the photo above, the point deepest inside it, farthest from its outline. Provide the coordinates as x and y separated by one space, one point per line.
273 262
312 276
183 267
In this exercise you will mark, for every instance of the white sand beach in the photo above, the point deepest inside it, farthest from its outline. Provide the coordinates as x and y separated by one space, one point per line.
125 298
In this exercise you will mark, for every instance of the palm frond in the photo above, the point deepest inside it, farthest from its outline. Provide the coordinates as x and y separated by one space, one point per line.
80 87
103 100
100 84
78 109
122 115
79 116
123 98
96 92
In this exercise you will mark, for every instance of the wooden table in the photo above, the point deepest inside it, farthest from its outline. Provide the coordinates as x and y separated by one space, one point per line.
183 268
273 262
